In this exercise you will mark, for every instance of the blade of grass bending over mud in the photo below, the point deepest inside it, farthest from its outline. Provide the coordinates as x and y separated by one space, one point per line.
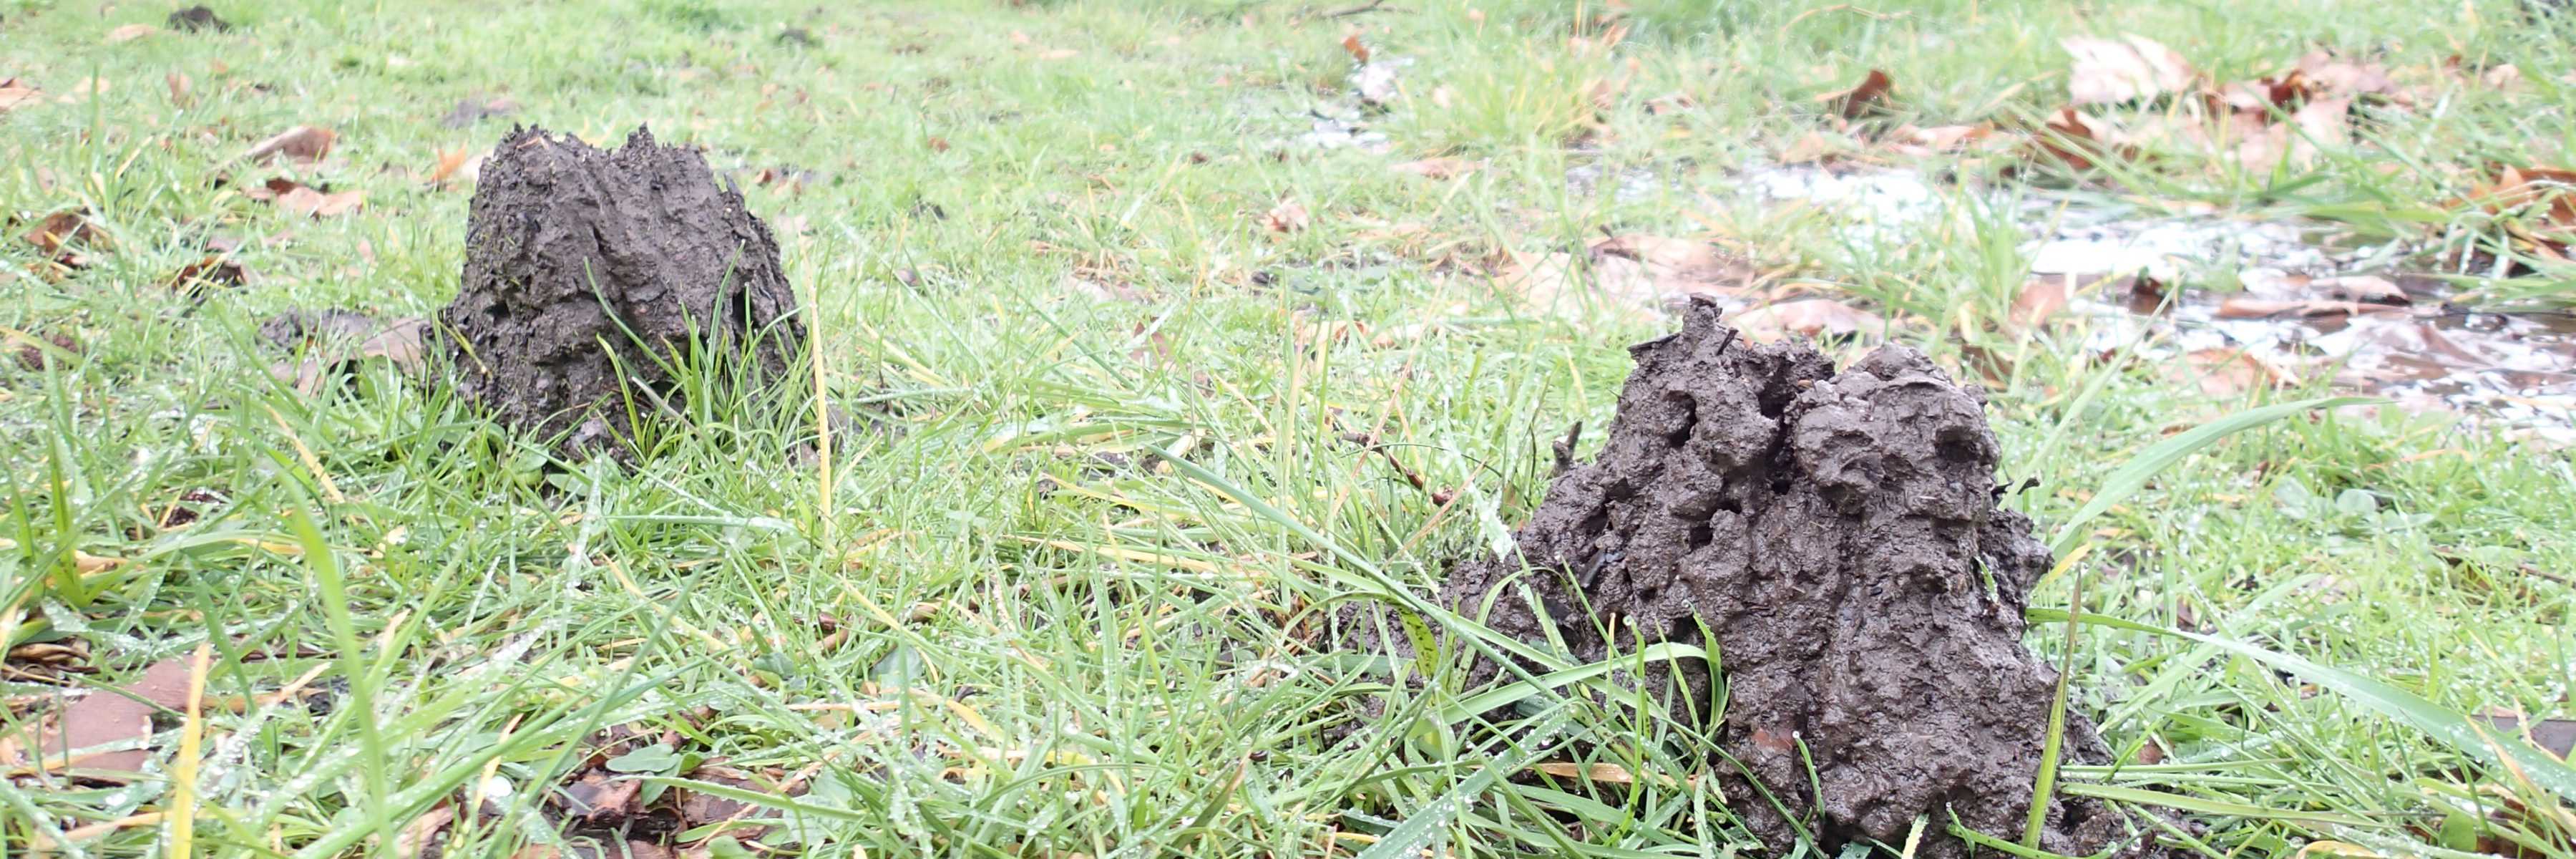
2134 475
2456 731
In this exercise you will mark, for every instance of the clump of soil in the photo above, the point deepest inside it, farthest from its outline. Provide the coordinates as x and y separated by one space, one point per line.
1838 533
583 264
196 18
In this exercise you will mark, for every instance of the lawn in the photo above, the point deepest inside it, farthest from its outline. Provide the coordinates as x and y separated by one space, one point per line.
1169 330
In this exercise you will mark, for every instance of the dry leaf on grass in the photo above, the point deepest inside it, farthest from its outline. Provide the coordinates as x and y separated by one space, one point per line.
1635 275
1443 167
2040 299
2226 372
303 144
2538 202
106 716
316 204
464 165
130 32
15 94
1358 50
2123 70
1287 217
66 228
1818 147
1812 317
472 110
402 342
1058 54
1868 96
211 272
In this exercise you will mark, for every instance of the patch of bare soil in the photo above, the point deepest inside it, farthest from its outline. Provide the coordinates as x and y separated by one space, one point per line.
1838 533
590 274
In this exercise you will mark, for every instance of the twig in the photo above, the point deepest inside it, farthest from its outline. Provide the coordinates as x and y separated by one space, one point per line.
1440 497
1373 6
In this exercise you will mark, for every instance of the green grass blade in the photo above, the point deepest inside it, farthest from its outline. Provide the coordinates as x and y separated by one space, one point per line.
2446 727
2162 455
2208 807
1408 837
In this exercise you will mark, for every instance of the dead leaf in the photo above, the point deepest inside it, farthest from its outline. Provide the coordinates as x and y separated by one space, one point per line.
598 799
2247 307
130 32
403 342
179 85
1868 96
104 716
478 108
303 144
34 355
449 163
2119 71
1058 54
2556 736
1813 317
1358 50
316 204
2339 76
15 94
1287 217
213 271
936 143
2225 372
66 228
416 835
2073 140
2041 298
1440 168
1817 147
1681 266
2364 288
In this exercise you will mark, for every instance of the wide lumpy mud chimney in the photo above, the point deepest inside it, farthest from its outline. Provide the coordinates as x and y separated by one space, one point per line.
591 274
1838 533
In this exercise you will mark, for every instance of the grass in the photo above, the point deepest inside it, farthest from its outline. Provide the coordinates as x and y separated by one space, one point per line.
1010 628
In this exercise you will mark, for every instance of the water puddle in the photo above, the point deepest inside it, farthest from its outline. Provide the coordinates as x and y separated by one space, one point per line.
2285 294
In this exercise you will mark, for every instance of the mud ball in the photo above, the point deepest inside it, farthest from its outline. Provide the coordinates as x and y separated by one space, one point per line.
592 275
1837 534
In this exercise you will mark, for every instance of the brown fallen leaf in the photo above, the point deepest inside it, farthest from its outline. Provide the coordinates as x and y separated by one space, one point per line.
210 273
179 85
1817 147
1637 276
1358 50
15 94
1866 97
1287 217
35 351
2557 736
2247 307
2363 288
1440 168
106 716
478 108
2126 69
2543 199
451 163
316 204
67 228
1681 266
402 342
418 835
1812 317
1913 141
303 144
2040 299
2072 140
1058 54
2226 372
130 32
2333 75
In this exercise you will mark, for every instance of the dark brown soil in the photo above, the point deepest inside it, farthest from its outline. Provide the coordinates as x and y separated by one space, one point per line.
196 18
580 260
1839 534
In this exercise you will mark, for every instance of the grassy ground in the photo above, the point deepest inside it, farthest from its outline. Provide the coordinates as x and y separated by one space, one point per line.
1004 628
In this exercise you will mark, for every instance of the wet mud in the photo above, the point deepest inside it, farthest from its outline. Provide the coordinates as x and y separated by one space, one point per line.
591 274
1838 533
